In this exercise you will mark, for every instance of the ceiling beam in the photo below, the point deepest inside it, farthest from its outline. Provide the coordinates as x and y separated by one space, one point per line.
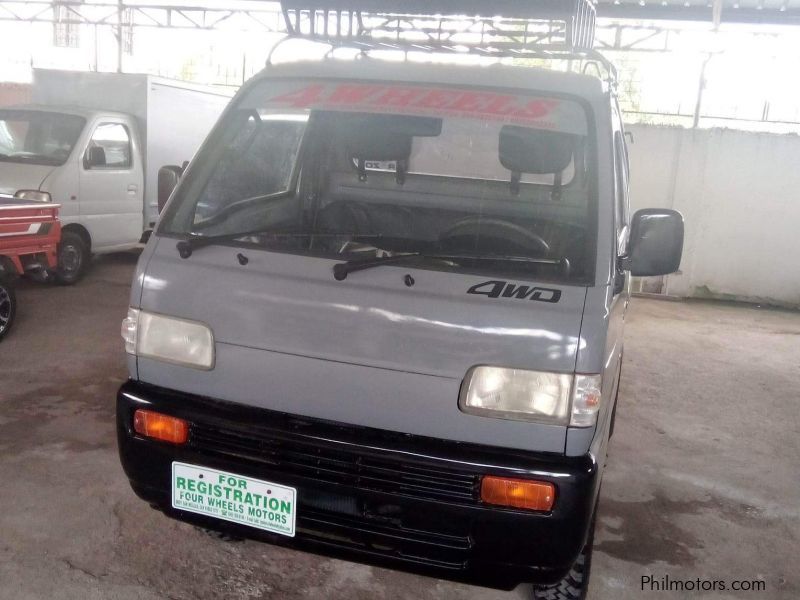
678 12
166 14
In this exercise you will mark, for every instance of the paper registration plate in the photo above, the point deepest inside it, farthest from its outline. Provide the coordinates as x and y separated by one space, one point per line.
231 497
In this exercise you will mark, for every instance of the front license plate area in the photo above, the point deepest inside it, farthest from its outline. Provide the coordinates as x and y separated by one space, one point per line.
261 504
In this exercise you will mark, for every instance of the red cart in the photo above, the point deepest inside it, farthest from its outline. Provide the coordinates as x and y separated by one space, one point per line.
29 237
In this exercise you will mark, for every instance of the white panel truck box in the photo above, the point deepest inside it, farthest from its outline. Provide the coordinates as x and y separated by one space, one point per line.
93 143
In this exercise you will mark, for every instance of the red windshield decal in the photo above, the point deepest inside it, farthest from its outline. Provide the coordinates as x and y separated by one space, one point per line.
439 101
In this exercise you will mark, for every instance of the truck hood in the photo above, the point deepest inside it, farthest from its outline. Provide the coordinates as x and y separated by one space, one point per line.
442 325
368 350
16 176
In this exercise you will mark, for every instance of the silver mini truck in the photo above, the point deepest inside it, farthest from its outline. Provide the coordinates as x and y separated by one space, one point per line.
381 316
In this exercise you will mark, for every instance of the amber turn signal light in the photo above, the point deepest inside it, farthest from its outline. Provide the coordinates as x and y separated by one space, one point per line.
160 427
518 493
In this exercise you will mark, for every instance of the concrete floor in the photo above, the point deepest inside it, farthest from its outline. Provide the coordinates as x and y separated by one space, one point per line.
702 478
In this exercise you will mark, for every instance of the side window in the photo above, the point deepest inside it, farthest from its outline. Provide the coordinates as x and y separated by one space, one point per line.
109 148
621 208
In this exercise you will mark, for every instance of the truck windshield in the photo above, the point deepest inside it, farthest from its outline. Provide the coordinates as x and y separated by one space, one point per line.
38 137
393 169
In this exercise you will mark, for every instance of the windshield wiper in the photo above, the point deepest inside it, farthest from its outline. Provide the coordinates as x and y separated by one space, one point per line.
189 245
341 270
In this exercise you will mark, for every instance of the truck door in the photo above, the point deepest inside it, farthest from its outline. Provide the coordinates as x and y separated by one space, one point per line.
111 185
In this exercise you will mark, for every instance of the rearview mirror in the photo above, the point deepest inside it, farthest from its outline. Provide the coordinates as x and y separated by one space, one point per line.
168 178
656 242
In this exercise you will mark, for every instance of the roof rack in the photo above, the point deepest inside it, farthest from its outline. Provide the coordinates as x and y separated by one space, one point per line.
570 23
538 29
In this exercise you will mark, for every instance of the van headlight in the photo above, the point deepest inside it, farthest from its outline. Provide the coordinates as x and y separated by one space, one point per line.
551 398
33 195
169 339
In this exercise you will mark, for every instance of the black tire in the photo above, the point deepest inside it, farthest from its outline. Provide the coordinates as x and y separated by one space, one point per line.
8 306
73 258
575 584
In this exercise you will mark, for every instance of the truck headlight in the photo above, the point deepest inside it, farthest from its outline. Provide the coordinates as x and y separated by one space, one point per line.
551 398
169 339
34 195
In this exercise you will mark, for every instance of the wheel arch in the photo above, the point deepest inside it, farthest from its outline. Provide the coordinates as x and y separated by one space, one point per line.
81 231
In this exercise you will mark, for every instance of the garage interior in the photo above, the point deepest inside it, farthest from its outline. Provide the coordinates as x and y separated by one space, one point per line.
702 474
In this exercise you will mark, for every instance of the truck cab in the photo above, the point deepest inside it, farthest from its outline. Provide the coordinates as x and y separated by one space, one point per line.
88 161
382 316
93 143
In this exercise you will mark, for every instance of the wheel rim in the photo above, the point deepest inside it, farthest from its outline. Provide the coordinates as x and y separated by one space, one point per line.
5 308
71 259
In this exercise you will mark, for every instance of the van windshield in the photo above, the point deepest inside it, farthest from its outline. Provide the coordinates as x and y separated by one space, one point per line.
38 137
352 171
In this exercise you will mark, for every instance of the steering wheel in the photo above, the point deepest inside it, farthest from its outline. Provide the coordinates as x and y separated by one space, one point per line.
505 236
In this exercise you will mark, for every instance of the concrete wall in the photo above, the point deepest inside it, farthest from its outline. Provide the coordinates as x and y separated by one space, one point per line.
739 193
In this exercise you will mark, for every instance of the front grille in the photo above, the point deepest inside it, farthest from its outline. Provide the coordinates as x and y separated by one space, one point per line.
427 546
323 460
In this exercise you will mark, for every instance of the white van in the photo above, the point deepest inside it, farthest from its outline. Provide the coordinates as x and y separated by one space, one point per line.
93 143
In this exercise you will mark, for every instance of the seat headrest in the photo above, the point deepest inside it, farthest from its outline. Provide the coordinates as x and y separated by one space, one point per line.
386 137
535 151
379 145
96 156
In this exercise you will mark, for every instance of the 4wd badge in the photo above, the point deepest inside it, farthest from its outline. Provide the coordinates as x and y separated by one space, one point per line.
505 289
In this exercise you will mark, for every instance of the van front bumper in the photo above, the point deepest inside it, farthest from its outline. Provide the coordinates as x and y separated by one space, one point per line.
383 498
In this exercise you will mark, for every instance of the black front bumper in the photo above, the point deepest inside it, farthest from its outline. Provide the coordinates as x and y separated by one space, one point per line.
401 501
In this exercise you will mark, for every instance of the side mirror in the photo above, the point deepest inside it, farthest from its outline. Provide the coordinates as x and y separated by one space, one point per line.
656 242
168 178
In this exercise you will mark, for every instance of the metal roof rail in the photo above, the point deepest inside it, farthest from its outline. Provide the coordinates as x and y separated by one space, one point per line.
570 23
533 29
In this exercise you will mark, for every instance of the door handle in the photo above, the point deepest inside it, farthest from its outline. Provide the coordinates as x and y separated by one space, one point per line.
132 187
